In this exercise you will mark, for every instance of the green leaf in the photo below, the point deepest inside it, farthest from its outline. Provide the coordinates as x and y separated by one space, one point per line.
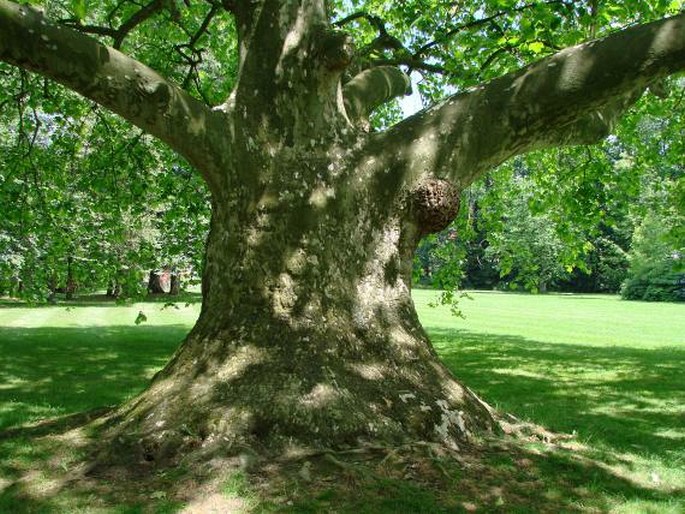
536 47
79 8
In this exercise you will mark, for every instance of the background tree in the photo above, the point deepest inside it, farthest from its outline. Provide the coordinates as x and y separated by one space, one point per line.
527 249
632 174
307 333
89 189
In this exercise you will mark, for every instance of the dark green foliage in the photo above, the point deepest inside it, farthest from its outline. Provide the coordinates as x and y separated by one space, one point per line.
656 268
610 267
655 282
607 268
113 200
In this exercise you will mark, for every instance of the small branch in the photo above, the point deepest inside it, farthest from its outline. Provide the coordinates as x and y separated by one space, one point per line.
375 21
194 61
493 56
139 17
477 23
412 64
118 35
90 29
400 55
204 27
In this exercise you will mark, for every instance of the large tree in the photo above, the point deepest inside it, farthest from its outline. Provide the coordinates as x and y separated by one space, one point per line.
307 333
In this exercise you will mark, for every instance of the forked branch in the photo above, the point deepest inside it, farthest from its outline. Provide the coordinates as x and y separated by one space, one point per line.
119 34
572 97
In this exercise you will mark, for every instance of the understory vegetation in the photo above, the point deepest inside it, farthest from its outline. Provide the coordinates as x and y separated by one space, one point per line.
604 376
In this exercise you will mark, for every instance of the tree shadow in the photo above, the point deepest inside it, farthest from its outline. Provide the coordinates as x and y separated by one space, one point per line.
72 376
625 399
51 371
81 369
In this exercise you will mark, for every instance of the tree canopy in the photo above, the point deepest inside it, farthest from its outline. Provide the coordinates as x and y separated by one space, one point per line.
125 178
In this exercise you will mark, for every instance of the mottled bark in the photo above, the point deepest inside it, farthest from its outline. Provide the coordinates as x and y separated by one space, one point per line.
307 333
372 88
307 337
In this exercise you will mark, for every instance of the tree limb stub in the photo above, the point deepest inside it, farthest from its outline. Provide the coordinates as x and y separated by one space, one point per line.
371 88
572 97
110 78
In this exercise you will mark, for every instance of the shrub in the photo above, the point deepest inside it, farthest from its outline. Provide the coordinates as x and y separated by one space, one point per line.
655 282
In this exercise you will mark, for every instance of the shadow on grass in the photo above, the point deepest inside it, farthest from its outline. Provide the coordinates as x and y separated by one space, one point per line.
626 399
48 371
621 397
496 476
72 376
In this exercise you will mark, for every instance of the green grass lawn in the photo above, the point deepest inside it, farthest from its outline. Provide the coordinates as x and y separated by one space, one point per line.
609 371
58 360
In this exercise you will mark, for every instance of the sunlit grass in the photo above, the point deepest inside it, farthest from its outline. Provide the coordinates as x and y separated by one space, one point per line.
583 320
612 372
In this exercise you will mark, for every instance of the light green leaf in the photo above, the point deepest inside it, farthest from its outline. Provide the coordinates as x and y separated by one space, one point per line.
536 47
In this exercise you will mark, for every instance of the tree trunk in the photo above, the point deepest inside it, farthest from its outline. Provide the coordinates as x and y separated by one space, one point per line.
154 283
175 284
307 336
71 285
114 289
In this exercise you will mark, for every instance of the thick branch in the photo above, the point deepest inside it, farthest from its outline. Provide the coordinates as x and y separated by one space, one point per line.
372 88
110 78
572 97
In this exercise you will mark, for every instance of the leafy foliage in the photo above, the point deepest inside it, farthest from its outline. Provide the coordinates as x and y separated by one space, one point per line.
88 187
575 210
657 272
